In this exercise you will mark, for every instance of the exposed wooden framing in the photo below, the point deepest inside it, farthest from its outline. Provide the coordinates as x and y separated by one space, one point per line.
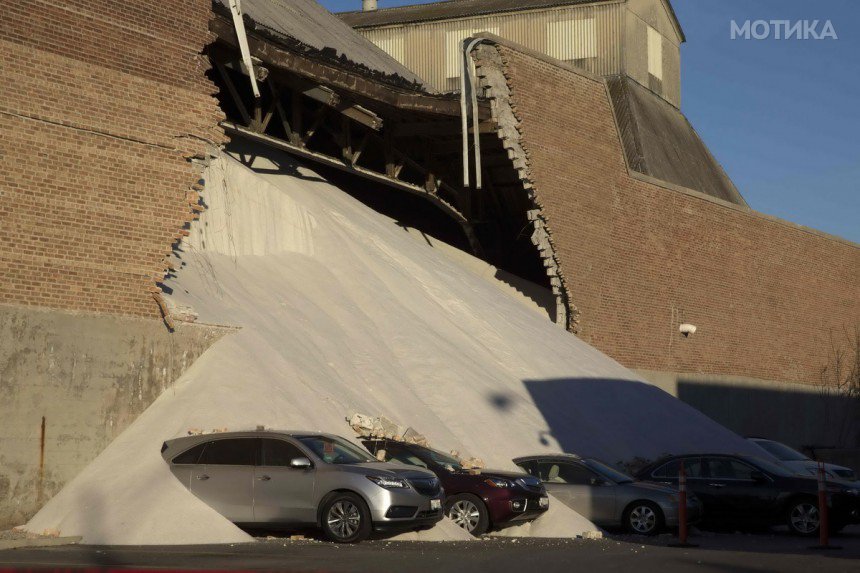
339 78
234 129
243 111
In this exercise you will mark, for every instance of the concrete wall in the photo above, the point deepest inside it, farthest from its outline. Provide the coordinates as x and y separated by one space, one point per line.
102 104
639 259
799 415
69 384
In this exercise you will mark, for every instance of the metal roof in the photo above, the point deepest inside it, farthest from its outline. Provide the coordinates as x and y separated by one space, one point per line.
660 142
308 23
448 9
451 9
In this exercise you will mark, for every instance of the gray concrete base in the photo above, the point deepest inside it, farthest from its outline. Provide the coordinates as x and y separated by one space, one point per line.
69 384
799 415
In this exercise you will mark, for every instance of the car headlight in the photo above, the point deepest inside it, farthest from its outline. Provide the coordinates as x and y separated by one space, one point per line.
388 482
498 482
852 491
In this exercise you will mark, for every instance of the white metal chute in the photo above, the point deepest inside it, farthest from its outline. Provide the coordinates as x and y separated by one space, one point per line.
239 25
469 105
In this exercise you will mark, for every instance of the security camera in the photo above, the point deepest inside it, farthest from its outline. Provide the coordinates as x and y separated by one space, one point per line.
687 329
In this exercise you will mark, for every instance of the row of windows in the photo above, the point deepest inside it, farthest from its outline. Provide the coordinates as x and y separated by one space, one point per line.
241 452
714 468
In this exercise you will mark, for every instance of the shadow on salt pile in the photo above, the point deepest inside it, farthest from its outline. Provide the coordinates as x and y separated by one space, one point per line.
568 406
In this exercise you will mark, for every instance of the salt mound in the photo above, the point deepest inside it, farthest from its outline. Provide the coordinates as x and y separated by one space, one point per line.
558 521
340 311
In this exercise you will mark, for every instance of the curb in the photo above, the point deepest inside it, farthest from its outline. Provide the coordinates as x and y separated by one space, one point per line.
46 542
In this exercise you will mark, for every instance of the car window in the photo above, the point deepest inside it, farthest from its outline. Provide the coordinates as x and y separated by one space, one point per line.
561 472
235 452
404 457
191 456
530 468
727 468
693 468
278 452
780 451
333 450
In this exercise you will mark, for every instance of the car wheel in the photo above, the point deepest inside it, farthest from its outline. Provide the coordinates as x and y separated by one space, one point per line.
345 518
469 512
803 517
643 518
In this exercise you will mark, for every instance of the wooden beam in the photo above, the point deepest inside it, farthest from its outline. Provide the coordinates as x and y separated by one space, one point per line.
434 128
243 111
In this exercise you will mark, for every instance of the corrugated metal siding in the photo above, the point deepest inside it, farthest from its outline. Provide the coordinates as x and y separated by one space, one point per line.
641 17
426 51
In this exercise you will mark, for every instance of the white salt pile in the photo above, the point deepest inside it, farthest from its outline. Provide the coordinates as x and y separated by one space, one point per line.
341 311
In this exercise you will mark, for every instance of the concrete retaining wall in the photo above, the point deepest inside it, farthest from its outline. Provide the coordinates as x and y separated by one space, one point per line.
69 383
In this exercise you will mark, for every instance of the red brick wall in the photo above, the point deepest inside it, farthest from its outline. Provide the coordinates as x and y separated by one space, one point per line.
102 104
640 259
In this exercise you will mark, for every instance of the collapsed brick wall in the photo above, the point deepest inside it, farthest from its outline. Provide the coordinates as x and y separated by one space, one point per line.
102 105
639 259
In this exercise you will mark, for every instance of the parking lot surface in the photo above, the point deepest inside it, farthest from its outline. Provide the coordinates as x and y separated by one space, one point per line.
716 552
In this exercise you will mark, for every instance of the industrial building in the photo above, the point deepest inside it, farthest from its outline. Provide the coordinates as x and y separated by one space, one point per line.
593 186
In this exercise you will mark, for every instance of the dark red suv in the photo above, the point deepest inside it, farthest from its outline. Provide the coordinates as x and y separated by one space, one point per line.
477 502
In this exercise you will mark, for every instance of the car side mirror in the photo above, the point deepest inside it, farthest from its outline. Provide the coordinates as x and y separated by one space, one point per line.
300 463
758 477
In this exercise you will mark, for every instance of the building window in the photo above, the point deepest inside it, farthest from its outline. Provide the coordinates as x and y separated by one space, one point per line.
655 53
453 41
572 40
392 43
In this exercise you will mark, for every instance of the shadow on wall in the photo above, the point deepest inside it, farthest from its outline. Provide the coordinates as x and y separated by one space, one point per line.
621 422
800 418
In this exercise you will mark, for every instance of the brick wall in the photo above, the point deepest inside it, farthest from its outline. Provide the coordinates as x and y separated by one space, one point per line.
102 104
639 258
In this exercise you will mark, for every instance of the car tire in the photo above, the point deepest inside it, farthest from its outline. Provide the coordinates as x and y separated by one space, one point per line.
644 518
345 518
469 512
802 517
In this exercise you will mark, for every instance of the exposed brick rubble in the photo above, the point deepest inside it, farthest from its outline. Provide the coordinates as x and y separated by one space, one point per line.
490 69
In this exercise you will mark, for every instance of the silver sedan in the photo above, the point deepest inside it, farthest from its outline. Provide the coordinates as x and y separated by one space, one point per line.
606 496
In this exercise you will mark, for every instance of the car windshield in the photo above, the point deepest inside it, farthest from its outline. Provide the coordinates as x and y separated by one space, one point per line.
333 450
608 472
448 462
769 466
781 451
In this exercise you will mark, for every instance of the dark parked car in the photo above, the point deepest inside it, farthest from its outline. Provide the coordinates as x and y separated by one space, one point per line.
801 463
295 479
743 491
608 497
477 502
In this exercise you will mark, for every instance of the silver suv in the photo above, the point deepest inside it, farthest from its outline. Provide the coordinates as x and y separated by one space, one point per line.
296 479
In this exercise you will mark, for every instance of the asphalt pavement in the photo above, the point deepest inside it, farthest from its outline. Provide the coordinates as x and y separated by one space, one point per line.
716 552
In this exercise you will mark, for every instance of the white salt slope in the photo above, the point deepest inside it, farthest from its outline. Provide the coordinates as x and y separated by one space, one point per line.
341 310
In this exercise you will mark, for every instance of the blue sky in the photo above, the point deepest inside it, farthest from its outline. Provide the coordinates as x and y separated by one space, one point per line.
782 116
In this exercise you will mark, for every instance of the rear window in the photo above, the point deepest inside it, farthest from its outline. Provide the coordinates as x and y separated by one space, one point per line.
190 456
233 452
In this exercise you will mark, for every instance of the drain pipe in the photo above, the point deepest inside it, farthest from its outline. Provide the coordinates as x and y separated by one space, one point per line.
469 104
239 25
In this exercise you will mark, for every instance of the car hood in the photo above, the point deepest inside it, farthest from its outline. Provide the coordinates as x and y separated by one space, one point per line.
398 470
485 473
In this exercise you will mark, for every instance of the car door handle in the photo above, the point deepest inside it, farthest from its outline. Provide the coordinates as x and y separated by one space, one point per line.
203 477
717 484
263 478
